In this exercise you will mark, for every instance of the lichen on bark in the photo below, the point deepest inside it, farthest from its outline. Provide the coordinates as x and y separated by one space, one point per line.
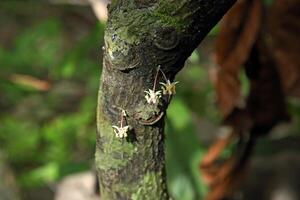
140 36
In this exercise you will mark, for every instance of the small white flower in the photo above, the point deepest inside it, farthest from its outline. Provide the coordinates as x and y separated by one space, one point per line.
121 132
152 96
168 87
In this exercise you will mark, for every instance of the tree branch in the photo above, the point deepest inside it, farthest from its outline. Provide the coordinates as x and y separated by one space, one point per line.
140 36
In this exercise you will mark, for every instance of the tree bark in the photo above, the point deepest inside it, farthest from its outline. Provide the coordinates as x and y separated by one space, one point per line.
140 36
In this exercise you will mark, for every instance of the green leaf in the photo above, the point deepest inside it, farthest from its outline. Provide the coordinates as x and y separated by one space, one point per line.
44 174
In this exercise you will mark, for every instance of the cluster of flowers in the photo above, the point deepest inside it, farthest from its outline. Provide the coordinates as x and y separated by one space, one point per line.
152 97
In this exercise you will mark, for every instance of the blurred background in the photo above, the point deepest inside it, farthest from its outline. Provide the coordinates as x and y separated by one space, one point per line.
50 64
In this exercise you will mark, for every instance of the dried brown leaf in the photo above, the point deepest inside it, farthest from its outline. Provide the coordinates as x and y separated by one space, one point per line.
239 30
284 41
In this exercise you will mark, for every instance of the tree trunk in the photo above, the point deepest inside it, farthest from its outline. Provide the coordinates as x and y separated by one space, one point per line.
140 36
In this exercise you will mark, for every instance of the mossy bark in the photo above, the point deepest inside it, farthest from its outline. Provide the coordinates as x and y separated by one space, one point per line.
140 36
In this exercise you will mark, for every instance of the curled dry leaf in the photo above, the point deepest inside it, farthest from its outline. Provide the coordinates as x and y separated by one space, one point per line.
239 30
268 52
284 37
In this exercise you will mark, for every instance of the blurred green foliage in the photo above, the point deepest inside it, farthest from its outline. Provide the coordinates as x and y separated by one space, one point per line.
192 104
49 134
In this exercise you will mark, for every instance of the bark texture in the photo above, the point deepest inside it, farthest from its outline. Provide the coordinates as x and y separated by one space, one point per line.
140 35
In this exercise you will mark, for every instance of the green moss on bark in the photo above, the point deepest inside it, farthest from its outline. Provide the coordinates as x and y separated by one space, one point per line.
148 188
114 152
